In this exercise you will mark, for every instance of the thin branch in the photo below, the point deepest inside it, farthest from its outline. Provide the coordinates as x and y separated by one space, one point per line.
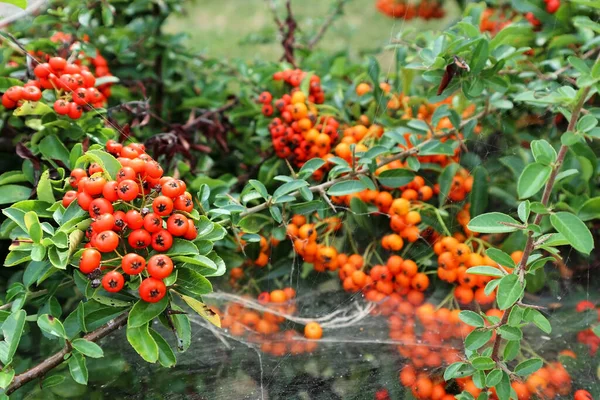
278 22
31 9
337 10
56 359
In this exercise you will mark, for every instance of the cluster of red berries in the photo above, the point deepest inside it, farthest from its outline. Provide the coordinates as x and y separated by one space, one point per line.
299 133
425 9
294 78
140 209
99 66
73 85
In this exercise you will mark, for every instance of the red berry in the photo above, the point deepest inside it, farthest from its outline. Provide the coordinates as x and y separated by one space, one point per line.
160 266
113 282
133 264
107 241
90 260
152 290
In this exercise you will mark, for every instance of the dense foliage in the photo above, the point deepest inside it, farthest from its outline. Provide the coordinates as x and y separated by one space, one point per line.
443 195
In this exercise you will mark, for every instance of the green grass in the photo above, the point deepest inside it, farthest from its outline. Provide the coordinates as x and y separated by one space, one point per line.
238 28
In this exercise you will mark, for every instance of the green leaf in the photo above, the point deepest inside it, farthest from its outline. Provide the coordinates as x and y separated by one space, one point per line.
102 158
346 187
253 223
13 193
19 3
493 378
32 223
78 368
538 319
182 247
202 310
500 257
53 380
510 291
574 230
53 149
587 123
311 166
52 325
44 188
483 363
395 178
510 332
289 187
492 223
543 152
503 388
524 210
477 339
166 356
516 316
532 179
6 378
471 318
144 312
479 194
486 271
32 108
191 283
259 187
143 343
87 348
458 370
528 367
590 209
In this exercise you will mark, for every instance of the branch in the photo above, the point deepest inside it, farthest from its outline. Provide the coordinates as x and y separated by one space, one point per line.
365 170
31 9
56 359
538 218
338 10
273 7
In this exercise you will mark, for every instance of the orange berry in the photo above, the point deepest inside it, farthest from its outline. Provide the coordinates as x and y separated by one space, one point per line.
313 330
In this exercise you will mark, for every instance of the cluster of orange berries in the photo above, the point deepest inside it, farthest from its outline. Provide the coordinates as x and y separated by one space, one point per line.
545 383
298 133
587 336
304 237
357 135
294 78
264 328
140 209
425 9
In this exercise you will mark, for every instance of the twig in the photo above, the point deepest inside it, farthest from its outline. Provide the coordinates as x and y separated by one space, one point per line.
31 9
56 359
338 10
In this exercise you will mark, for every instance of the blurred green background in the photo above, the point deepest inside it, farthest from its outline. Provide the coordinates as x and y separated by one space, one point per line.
244 29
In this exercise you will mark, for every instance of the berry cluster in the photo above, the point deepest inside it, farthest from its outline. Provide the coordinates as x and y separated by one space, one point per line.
73 86
294 78
425 9
299 133
141 209
264 328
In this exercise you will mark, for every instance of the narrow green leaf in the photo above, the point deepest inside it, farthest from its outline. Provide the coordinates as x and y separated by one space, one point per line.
166 356
52 325
510 291
483 363
78 368
528 367
87 348
143 343
395 178
477 339
486 271
493 222
346 187
574 230
532 179
471 318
